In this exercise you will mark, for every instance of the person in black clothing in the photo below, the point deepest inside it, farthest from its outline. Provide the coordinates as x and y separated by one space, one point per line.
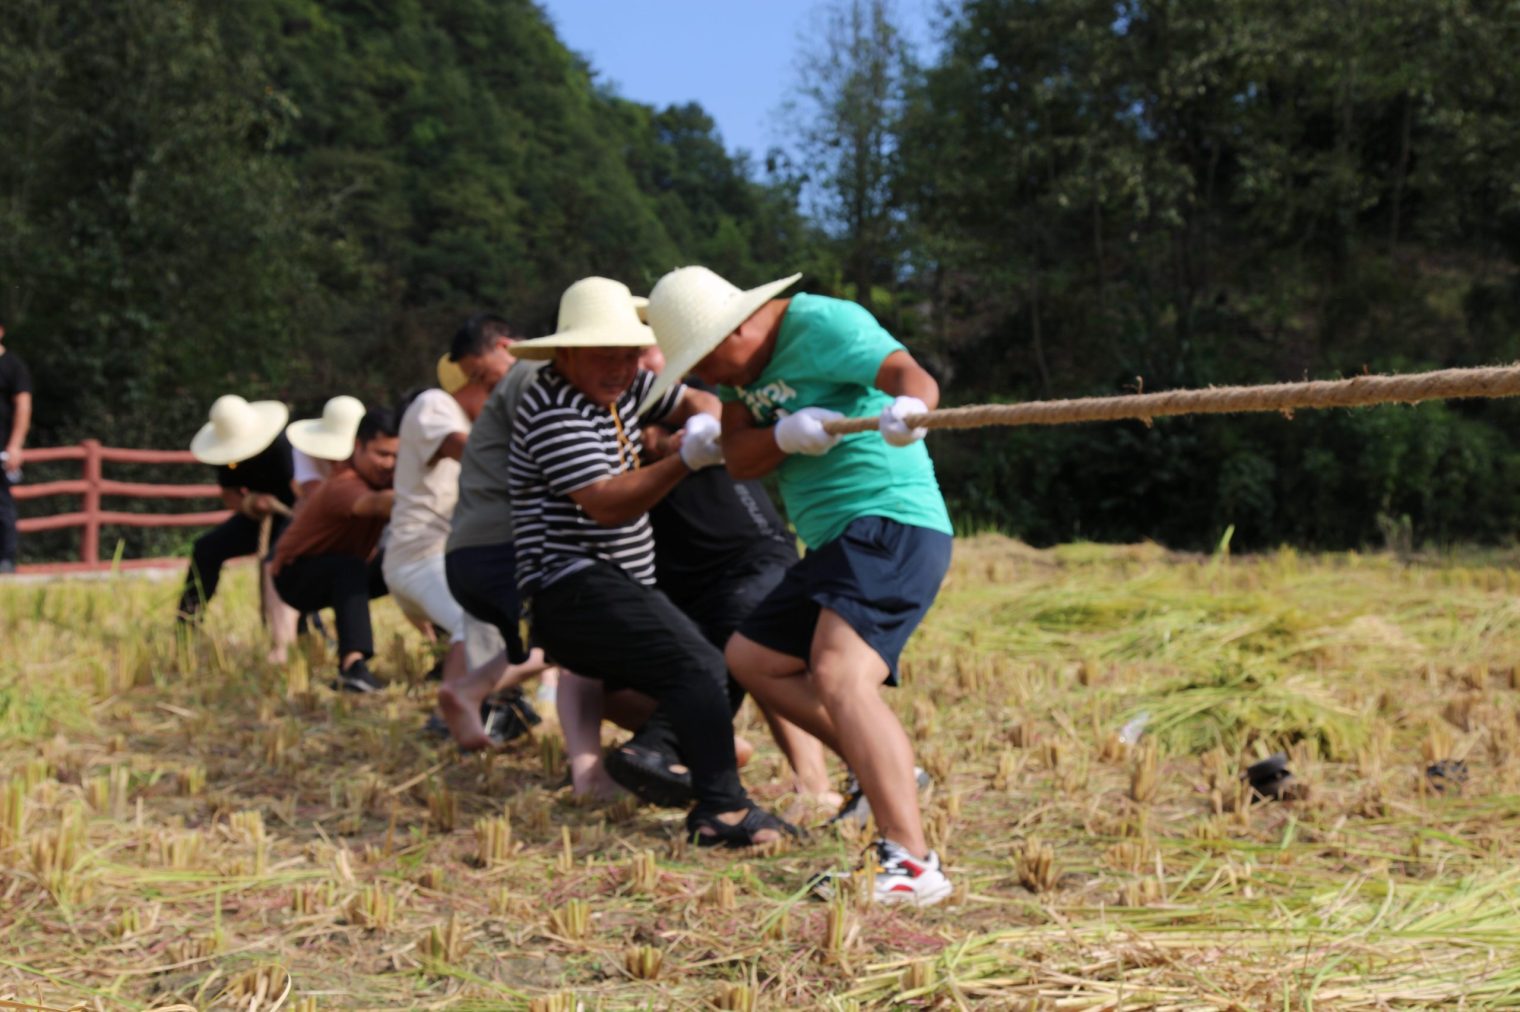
15 420
719 548
247 444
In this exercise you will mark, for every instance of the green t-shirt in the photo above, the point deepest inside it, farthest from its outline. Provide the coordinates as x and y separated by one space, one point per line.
827 355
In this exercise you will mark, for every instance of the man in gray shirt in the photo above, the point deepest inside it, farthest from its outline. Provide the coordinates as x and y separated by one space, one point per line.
479 561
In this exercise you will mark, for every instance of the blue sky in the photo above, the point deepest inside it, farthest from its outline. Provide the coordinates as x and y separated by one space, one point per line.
735 57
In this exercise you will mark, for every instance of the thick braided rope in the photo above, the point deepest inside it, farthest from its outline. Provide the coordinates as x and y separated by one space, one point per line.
1359 391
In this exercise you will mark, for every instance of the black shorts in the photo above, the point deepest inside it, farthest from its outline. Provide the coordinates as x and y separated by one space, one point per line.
880 576
483 579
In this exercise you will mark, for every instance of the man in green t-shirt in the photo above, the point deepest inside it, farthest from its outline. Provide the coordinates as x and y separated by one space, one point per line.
867 506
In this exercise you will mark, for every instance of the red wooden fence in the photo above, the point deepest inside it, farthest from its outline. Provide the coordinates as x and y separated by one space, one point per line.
93 487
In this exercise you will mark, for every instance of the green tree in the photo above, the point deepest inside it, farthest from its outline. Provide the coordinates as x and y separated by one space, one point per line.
852 74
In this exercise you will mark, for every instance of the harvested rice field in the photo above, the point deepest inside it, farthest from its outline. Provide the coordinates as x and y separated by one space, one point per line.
185 825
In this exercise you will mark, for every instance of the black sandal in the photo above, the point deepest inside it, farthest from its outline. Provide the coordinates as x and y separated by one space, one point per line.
646 773
742 833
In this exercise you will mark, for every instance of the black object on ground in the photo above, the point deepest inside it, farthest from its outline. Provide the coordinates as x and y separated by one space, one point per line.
1447 775
1269 778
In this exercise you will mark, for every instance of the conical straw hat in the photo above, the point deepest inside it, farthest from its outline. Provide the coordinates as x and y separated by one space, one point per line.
330 437
238 430
691 311
593 313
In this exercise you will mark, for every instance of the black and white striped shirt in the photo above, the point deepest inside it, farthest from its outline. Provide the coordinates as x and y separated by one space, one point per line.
561 443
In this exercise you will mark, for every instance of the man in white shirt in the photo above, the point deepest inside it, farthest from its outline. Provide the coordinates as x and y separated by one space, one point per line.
433 431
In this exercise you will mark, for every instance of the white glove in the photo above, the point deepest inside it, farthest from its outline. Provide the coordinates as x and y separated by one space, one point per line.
700 445
802 432
893 429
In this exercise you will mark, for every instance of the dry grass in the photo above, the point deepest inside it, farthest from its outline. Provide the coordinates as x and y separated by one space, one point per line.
188 825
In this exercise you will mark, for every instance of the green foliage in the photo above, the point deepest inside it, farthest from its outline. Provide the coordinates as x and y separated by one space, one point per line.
293 199
1222 192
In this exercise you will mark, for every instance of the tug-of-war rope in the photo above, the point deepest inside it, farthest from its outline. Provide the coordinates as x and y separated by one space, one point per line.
1360 391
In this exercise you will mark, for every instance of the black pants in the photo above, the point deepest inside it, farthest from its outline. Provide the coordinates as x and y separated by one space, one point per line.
345 584
483 579
722 603
7 520
232 538
603 624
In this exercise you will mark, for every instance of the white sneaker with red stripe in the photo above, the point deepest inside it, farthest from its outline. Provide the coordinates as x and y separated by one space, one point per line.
900 877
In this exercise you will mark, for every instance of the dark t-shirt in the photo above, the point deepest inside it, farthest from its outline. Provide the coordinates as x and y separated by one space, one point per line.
15 379
270 472
711 528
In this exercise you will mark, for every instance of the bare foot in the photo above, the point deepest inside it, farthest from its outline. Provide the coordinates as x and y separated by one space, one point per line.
807 808
461 713
743 751
599 787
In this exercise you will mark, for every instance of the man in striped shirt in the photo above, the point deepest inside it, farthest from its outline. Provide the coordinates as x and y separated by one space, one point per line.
585 551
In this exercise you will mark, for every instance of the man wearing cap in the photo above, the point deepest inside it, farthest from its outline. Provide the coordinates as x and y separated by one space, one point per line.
867 506
15 420
327 557
247 445
585 553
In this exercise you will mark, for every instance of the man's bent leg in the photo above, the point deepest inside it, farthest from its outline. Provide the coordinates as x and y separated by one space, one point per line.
601 624
579 703
848 674
780 683
234 537
351 583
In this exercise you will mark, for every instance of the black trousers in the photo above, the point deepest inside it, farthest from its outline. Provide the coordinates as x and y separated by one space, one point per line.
231 539
345 584
8 548
601 623
721 604
483 579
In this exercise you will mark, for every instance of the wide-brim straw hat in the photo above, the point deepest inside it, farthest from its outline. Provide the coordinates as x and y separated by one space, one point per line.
238 430
332 436
593 313
692 310
451 378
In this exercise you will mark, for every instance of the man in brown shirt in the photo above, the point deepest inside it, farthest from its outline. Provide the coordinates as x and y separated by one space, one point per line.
326 558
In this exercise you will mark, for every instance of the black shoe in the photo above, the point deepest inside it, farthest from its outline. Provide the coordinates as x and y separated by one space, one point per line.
508 716
857 809
357 678
648 774
7 567
505 717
